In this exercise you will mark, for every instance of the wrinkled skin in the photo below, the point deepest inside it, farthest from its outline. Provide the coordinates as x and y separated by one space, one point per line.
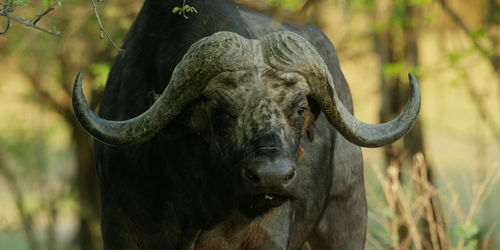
181 190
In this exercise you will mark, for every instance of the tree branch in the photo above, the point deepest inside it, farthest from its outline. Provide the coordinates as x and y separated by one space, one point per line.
494 59
482 109
37 18
103 31
8 8
6 27
63 110
464 27
479 101
306 5
32 25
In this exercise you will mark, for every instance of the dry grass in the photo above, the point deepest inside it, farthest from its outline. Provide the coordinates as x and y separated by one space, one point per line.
430 218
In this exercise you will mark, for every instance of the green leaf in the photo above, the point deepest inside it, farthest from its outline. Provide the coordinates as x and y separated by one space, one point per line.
268 197
378 28
100 72
456 56
463 75
416 71
467 230
397 20
176 9
478 33
18 2
393 69
471 245
189 8
289 5
420 2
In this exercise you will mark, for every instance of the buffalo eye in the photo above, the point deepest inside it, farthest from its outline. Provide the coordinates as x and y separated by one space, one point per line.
223 107
297 118
301 110
222 118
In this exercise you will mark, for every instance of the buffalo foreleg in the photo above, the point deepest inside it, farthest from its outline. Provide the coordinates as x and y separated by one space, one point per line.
343 225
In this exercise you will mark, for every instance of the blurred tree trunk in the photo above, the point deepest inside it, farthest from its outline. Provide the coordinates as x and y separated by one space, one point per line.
318 17
86 184
396 45
58 60
397 50
89 235
86 180
493 21
24 215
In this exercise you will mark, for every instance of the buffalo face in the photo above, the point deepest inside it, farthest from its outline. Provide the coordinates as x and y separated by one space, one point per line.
254 119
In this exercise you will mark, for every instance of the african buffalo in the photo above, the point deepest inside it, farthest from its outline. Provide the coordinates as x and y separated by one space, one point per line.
251 145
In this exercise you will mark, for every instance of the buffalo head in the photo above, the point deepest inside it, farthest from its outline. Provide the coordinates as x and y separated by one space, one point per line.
251 100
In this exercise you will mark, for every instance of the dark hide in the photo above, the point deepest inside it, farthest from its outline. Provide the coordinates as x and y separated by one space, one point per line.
170 192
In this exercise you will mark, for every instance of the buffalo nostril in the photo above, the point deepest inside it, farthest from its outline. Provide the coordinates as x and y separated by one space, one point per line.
289 176
251 176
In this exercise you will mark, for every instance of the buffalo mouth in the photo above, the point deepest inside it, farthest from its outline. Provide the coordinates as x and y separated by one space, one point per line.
254 205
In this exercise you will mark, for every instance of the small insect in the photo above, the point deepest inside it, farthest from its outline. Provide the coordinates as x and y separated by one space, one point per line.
300 154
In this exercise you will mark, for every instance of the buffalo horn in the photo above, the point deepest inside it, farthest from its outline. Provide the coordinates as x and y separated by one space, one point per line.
203 60
369 135
288 51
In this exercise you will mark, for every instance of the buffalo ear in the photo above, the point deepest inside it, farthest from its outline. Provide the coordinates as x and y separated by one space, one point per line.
307 126
313 107
312 114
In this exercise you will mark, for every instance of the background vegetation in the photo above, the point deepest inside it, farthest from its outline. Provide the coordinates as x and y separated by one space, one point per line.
435 189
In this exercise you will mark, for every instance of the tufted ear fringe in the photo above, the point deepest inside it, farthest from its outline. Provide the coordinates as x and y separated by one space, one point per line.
310 119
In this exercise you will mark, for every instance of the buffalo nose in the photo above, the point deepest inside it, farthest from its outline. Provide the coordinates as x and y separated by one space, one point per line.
273 176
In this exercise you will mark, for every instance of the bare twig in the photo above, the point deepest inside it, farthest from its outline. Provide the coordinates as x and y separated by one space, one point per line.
8 8
6 27
306 5
483 110
32 25
493 58
184 9
103 31
61 107
478 99
456 18
37 18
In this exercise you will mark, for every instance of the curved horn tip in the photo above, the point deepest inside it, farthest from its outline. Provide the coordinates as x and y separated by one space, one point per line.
78 82
78 88
412 78
79 76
